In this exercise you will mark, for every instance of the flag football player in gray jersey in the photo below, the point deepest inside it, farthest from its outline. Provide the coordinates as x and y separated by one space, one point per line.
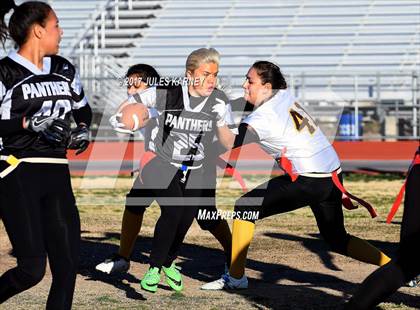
189 117
138 77
39 93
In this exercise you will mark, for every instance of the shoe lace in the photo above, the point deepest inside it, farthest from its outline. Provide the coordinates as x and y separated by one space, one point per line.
226 278
174 266
151 274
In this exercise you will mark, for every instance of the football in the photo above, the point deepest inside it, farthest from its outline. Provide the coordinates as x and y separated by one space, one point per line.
133 116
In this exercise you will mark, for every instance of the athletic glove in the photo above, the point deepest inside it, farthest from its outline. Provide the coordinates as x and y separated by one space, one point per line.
58 132
220 109
39 123
114 120
117 125
79 139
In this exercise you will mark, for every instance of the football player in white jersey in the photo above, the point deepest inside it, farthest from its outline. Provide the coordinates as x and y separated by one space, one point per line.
136 80
281 126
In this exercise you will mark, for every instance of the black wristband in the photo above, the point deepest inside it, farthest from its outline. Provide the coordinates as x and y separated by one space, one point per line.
83 115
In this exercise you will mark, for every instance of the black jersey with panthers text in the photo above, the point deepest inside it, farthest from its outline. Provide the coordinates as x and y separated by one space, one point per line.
26 90
186 125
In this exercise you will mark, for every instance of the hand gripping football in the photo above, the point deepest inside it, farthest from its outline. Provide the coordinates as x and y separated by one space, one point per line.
134 115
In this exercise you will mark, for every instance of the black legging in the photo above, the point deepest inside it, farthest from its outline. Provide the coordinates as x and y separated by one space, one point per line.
389 278
178 202
280 195
41 219
139 198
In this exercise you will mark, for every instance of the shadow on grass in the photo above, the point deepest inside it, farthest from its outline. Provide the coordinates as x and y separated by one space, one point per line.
316 245
96 250
314 290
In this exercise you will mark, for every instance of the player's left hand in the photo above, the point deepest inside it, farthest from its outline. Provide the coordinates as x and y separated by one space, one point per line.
58 132
220 109
79 139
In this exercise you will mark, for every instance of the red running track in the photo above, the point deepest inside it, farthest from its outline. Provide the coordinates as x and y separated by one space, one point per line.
119 152
402 150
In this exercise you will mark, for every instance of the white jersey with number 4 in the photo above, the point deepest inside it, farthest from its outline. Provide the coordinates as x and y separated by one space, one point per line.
283 125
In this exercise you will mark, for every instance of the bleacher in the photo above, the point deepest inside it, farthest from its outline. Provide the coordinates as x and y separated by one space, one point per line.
320 45
324 39
73 15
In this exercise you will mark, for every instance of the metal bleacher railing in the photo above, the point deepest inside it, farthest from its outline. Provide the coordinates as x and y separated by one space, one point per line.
360 55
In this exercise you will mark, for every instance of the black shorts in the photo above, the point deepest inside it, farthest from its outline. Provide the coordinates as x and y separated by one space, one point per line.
139 197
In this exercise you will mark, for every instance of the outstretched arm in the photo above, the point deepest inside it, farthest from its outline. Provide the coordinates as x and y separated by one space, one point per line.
246 135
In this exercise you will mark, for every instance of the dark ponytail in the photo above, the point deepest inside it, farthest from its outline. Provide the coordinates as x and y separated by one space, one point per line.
4 9
23 17
270 73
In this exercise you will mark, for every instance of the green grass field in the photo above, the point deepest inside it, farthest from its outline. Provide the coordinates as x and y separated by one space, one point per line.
289 267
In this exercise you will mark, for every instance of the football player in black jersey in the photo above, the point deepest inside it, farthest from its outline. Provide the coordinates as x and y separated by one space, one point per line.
387 279
189 117
39 93
139 78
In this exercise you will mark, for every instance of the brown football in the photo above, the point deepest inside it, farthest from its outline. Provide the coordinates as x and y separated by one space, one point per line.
134 115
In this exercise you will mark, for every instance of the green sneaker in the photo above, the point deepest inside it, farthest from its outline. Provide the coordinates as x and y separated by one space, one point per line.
173 277
151 280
